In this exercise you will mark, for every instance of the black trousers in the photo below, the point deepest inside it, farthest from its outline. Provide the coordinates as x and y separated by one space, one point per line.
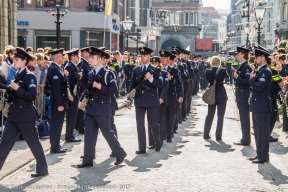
93 124
185 103
162 123
30 133
71 117
153 119
274 113
56 123
230 76
128 81
190 96
80 122
221 108
244 121
261 126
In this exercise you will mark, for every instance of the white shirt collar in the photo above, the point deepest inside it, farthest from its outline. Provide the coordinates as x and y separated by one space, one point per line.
146 66
97 69
57 65
261 66
243 62
21 70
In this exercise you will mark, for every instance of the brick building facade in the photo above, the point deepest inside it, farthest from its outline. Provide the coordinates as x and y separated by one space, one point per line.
8 31
85 24
187 14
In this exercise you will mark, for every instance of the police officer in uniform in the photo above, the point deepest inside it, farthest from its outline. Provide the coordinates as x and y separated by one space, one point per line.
242 77
260 106
229 62
71 111
22 114
99 110
276 85
58 99
147 79
83 66
156 61
128 69
173 96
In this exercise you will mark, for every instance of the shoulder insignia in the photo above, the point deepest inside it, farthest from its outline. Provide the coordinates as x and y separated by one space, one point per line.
262 79
55 77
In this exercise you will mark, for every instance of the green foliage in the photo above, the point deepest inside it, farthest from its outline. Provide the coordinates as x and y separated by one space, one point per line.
282 44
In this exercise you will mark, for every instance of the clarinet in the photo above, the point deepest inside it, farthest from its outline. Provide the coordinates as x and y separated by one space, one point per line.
67 84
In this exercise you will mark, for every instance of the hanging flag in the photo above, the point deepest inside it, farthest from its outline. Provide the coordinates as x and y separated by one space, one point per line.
277 39
108 10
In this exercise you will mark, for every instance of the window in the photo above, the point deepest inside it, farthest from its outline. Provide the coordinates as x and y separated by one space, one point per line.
50 3
188 19
171 22
284 12
94 39
48 38
19 3
269 22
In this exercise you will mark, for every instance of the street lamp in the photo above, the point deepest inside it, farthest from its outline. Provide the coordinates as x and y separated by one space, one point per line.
259 13
29 2
247 32
127 24
199 27
239 26
162 13
176 27
58 14
24 34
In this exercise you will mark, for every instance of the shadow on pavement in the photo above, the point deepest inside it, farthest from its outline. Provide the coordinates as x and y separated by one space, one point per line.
219 146
150 160
88 182
276 174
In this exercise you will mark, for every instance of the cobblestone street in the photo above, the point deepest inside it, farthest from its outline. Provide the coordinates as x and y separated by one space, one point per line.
189 163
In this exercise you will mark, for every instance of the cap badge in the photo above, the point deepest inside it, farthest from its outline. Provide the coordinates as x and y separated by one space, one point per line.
162 52
142 49
90 50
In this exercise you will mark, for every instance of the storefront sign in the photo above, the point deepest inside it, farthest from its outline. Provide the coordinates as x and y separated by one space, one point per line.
23 23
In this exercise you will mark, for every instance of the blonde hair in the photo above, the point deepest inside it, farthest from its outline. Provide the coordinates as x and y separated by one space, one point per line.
39 56
216 61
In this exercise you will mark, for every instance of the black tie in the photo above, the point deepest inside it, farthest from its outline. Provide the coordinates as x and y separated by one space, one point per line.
144 70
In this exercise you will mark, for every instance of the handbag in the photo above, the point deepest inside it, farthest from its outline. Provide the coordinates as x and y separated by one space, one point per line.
209 93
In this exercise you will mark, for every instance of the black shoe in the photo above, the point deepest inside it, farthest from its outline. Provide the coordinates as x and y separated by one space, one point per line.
258 161
111 155
169 140
219 139
180 122
240 143
273 139
158 147
172 135
81 132
82 156
118 161
140 152
73 140
175 132
252 158
151 147
207 137
58 150
83 165
43 173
